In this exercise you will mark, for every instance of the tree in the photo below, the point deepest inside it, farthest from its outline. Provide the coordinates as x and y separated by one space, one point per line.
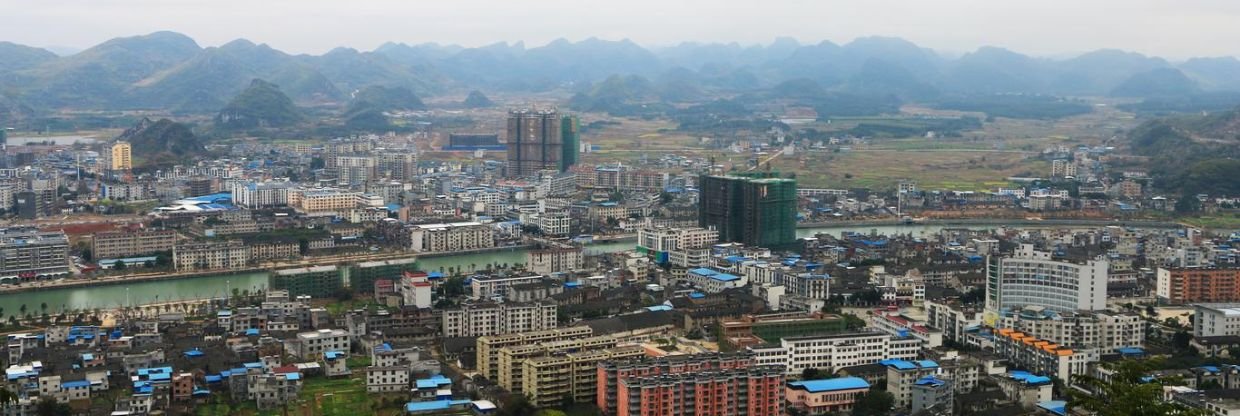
1150 311
7 398
1129 393
975 295
1181 340
874 403
1187 204
50 407
853 322
811 374
119 265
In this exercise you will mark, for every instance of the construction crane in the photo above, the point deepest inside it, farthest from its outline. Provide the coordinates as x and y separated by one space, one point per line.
767 161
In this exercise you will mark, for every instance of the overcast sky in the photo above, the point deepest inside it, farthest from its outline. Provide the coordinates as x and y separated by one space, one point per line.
1174 29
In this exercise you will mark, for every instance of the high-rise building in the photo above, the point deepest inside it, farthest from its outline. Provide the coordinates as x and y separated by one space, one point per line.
753 391
122 156
1188 285
32 254
1031 278
535 141
753 208
571 134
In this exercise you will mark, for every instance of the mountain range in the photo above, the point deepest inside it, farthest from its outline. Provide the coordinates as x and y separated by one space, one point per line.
170 71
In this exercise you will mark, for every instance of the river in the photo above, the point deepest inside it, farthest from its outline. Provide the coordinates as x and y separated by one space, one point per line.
58 140
115 295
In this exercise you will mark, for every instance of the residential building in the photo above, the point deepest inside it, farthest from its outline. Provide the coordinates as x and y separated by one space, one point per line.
825 396
496 286
1190 285
1042 357
710 281
1032 278
902 375
829 352
488 318
452 237
312 345
415 289
229 254
318 200
661 241
953 319
260 195
612 372
752 391
27 253
362 276
489 346
1102 330
754 208
550 379
554 260
932 395
313 281
121 156
120 244
535 141
1216 319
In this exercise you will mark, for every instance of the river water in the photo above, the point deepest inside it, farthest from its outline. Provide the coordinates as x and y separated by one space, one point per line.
116 295
58 140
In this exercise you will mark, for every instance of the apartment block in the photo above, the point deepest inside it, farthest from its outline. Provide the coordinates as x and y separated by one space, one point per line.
314 281
228 254
553 260
829 352
489 346
549 379
1031 278
1103 330
487 318
753 391
32 254
460 236
611 373
312 345
1042 357
825 396
1190 285
492 286
511 358
120 244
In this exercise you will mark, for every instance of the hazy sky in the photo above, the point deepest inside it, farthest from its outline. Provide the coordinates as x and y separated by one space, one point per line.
1170 28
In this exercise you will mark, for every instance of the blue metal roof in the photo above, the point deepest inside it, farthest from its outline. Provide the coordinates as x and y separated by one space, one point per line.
724 277
75 384
899 364
831 384
928 364
658 308
702 271
929 381
1058 407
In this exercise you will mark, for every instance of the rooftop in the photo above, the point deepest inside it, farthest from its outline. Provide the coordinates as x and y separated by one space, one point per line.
831 384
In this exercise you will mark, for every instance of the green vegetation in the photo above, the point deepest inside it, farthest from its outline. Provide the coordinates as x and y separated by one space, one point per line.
1192 155
161 143
1017 106
260 105
1127 394
477 99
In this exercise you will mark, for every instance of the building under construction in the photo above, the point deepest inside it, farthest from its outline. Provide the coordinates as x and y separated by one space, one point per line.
753 208
535 141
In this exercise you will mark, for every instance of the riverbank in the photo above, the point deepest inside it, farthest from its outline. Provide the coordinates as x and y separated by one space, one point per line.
994 222
264 268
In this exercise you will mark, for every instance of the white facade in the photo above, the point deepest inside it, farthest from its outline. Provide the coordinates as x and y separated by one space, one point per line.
1032 278
460 236
1216 319
835 351
498 318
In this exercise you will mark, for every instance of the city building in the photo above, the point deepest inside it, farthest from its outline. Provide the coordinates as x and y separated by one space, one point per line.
752 391
829 352
460 236
497 286
1042 357
362 276
510 358
120 244
260 195
318 200
1216 319
488 318
754 208
535 141
27 253
489 345
120 156
612 372
570 134
1032 278
932 395
554 260
1190 285
313 344
229 254
711 281
770 328
551 379
1102 330
902 375
314 281
825 396
677 245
